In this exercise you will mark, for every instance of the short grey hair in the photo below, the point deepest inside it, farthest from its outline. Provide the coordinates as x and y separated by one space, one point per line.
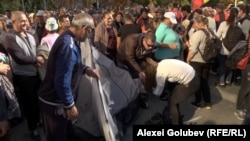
82 19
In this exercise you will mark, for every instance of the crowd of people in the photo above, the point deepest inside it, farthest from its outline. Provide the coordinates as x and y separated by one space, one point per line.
41 63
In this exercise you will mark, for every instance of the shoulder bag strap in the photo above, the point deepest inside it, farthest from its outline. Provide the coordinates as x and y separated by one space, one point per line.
207 37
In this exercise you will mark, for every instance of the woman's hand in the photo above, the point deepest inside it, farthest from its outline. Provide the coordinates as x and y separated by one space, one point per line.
4 68
142 76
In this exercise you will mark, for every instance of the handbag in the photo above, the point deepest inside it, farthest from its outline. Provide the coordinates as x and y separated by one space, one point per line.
243 62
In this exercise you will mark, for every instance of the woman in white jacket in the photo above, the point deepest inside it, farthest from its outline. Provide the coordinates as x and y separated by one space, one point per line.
171 70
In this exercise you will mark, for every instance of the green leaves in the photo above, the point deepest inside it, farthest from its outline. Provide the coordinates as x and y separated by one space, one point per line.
27 5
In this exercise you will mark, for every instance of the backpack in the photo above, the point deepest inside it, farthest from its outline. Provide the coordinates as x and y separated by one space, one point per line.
212 46
235 55
233 36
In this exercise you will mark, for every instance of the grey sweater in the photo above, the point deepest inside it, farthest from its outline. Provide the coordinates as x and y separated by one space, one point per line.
23 53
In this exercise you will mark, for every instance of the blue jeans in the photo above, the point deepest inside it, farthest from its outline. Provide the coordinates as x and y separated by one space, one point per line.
223 73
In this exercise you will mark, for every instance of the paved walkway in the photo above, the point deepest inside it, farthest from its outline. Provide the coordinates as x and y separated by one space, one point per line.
222 112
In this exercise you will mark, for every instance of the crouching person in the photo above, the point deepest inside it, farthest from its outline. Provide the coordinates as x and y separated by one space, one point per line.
171 70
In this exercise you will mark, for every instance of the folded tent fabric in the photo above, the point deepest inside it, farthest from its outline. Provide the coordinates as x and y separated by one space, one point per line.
106 97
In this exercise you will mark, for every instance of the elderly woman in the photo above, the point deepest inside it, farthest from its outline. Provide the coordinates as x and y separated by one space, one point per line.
171 70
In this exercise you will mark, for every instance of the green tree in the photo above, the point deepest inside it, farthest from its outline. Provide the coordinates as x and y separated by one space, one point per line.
29 5
161 2
9 5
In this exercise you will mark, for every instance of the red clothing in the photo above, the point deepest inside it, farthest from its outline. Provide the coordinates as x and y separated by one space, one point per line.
217 17
178 14
143 23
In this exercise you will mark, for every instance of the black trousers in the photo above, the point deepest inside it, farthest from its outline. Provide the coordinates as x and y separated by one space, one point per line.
6 137
202 69
55 126
181 93
27 87
244 92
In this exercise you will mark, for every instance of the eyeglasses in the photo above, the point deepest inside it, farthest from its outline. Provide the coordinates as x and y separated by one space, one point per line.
89 30
149 45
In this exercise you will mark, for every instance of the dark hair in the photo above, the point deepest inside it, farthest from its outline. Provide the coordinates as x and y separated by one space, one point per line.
144 10
128 17
220 6
106 13
62 17
150 35
199 11
118 13
186 8
156 20
149 69
232 16
175 5
244 8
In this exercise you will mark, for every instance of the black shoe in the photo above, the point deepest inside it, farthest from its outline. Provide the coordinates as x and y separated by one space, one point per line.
144 104
35 135
181 119
143 100
165 96
196 104
155 119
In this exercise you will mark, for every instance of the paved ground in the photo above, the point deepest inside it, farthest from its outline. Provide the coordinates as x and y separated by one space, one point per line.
222 112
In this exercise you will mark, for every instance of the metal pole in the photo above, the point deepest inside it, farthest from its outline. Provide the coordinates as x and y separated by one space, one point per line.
97 4
45 6
23 6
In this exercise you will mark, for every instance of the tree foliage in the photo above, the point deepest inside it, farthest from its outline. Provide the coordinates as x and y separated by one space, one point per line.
34 5
9 5
27 5
161 2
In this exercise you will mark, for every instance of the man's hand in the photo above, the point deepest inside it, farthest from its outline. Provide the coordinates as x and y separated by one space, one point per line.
92 73
72 113
172 46
4 127
40 59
